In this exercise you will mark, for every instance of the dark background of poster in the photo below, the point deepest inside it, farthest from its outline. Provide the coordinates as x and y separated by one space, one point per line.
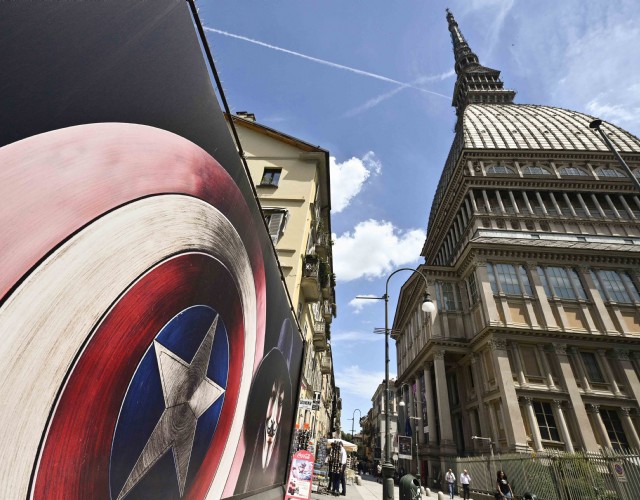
66 63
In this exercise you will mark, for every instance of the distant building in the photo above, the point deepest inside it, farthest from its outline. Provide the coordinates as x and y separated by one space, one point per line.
291 179
533 258
374 425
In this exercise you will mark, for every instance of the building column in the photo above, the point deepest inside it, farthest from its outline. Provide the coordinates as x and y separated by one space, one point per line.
444 410
538 290
518 362
418 421
547 369
584 381
533 424
430 402
586 435
480 389
631 381
630 429
495 433
514 425
602 430
608 373
488 303
562 425
410 410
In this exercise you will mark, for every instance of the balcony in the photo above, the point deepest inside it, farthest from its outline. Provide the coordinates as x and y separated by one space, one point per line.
328 310
310 278
319 336
323 242
325 364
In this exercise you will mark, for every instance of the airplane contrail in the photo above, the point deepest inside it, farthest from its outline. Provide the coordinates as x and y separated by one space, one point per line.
323 61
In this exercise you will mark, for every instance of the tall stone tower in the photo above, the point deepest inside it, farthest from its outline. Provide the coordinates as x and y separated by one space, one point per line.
533 257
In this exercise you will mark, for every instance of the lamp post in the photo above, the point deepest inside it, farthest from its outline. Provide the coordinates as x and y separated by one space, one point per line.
492 462
427 306
353 421
595 124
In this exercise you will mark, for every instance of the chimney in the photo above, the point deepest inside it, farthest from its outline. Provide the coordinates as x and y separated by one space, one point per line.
246 115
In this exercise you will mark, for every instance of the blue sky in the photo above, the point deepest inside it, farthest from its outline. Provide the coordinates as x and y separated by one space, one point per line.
371 81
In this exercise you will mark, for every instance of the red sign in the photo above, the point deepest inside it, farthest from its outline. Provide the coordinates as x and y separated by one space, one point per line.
300 476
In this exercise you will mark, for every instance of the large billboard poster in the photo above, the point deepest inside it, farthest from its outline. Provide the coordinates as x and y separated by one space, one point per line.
148 347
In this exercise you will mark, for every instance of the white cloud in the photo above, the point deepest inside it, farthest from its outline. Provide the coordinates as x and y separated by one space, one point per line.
358 382
348 177
353 337
373 249
359 304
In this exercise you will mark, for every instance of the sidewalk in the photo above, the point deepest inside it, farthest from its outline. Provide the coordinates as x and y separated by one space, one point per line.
368 490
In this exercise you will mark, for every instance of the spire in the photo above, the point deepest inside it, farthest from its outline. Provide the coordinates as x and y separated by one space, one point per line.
475 83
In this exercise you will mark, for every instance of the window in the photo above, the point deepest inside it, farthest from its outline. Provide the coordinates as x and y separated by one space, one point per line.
561 282
614 428
276 221
592 368
270 177
530 363
499 169
615 286
572 171
534 170
509 279
448 294
609 172
473 288
546 421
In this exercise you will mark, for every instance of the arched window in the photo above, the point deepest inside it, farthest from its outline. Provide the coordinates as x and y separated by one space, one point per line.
609 172
499 169
534 170
572 171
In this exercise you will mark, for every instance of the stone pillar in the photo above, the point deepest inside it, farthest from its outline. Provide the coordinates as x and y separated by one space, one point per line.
430 401
630 429
547 369
444 410
538 290
495 433
631 380
533 424
516 359
418 421
586 435
602 430
562 425
480 389
584 381
608 373
487 301
514 425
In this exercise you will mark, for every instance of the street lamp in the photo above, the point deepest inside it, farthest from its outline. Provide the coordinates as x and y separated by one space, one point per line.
595 124
353 421
427 306
491 443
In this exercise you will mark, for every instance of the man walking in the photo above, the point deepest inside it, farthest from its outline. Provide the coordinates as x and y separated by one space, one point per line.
450 478
465 480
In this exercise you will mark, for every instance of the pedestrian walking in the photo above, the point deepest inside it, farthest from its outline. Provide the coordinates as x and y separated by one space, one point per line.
465 481
502 486
450 478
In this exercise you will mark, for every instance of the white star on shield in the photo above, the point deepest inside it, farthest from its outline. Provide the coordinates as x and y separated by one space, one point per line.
188 393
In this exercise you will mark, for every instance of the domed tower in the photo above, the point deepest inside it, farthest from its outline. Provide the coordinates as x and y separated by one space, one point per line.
533 258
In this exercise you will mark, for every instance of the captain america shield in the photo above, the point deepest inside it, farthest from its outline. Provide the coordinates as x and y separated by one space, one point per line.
132 333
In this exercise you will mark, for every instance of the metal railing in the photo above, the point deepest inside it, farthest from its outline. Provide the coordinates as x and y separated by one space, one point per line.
556 475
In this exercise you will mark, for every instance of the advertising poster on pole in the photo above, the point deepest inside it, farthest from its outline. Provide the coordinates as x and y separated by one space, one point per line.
300 476
404 446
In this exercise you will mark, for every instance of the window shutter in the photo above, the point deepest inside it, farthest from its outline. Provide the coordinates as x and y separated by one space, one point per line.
275 223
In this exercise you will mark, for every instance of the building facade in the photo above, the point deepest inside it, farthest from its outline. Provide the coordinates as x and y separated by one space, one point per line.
374 425
533 259
291 179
